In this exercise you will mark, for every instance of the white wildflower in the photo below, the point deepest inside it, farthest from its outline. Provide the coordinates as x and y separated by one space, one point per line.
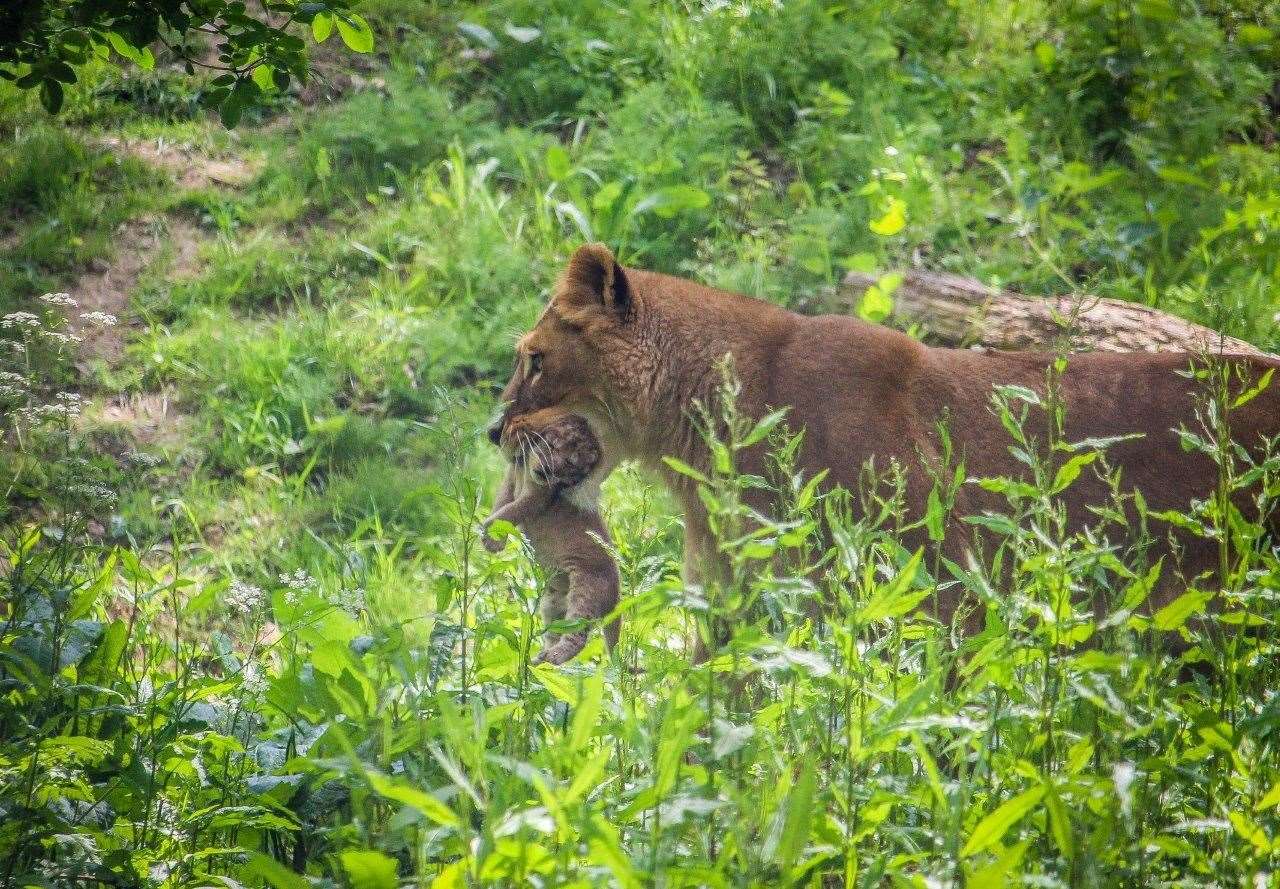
97 494
891 151
59 299
252 681
243 598
19 319
143 460
296 585
59 338
351 600
102 319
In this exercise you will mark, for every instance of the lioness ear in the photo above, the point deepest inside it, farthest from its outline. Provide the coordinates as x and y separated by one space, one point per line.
594 278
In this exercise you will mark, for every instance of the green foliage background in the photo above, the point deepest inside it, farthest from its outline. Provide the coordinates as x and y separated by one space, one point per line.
254 640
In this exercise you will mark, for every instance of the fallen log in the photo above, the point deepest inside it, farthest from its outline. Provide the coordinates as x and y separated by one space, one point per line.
959 311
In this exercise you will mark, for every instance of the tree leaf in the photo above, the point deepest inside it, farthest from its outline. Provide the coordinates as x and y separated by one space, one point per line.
322 26
1271 798
51 95
355 33
679 466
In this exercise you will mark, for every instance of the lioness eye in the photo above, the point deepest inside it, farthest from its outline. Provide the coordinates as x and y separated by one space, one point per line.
535 363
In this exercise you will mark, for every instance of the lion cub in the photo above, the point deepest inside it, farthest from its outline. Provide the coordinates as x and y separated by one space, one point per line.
554 456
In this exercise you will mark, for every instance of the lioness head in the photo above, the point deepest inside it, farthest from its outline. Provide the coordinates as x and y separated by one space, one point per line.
586 354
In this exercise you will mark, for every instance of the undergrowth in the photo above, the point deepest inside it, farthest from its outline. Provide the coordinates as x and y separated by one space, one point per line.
255 641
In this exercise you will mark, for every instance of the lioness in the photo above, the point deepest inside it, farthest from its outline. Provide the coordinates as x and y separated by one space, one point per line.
633 350
550 491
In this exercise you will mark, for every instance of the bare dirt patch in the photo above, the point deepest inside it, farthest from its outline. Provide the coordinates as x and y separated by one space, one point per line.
147 419
106 287
188 165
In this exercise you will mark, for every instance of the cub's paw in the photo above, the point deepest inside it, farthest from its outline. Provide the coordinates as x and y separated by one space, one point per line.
564 650
492 544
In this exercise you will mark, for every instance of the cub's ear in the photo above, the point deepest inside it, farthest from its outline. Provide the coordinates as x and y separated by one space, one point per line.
594 280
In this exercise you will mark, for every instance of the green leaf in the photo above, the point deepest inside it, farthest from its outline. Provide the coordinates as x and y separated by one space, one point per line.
673 200
1059 823
1270 799
1250 394
263 77
896 598
991 829
795 831
274 873
679 466
355 33
1157 10
1068 472
763 428
606 196
860 262
1177 612
1045 54
370 870
876 305
1252 35
893 220
587 712
996 875
322 27
557 160
934 515
51 95
405 793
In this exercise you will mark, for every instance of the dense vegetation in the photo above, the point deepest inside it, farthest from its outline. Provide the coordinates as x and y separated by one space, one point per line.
249 636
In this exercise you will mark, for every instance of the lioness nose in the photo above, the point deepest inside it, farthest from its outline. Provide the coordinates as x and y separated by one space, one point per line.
495 430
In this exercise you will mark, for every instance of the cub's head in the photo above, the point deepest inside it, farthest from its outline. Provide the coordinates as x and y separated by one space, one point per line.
555 447
575 357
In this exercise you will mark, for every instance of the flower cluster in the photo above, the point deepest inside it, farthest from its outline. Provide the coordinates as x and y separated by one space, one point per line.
350 600
62 300
102 319
143 460
244 598
252 680
297 585
20 320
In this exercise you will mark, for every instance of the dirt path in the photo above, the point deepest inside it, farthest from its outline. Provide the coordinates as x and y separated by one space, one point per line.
147 418
108 286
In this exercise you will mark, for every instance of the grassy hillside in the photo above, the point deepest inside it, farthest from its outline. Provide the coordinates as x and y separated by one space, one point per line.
244 581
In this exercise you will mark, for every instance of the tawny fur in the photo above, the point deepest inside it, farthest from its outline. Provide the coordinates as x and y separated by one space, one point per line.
632 351
547 493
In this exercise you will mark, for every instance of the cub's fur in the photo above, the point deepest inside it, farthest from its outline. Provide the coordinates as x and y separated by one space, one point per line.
549 493
631 351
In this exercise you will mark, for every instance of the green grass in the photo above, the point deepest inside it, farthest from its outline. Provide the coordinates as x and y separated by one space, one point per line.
335 352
